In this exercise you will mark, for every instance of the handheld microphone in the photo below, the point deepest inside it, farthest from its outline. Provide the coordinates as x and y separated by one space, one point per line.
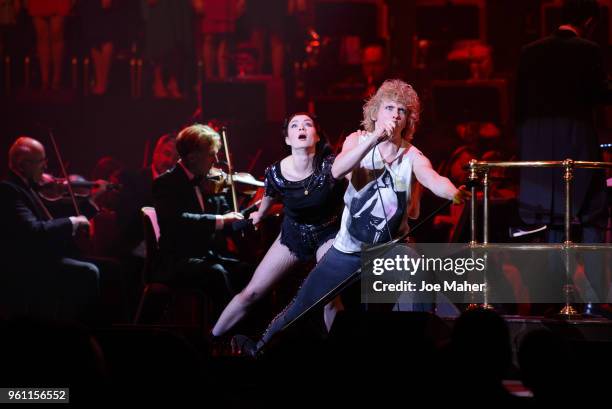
380 140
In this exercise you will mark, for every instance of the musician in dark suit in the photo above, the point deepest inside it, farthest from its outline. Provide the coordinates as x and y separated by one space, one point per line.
190 221
561 79
136 192
38 276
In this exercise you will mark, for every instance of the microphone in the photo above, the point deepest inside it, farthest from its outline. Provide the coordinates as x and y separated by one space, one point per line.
379 140
386 136
384 139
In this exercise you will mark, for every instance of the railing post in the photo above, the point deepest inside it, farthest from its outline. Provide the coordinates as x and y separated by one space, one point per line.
568 175
473 178
485 206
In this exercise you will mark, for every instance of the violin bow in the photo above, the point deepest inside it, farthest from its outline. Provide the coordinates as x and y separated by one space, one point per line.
64 173
230 169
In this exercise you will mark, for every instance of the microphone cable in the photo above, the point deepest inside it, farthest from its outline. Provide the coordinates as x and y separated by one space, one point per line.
382 203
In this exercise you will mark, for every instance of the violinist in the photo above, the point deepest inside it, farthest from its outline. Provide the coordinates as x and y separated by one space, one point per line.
189 222
38 275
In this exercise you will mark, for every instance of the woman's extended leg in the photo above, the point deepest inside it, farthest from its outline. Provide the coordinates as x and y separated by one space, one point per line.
277 261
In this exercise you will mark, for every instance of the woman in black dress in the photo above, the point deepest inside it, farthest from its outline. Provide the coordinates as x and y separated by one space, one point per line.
312 200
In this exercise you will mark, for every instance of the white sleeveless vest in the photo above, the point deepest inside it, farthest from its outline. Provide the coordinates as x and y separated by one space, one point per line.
378 200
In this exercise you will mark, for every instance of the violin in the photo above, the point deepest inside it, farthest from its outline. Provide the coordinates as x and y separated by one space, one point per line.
54 189
218 181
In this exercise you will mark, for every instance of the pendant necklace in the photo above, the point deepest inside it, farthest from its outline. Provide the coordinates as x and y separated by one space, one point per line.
306 187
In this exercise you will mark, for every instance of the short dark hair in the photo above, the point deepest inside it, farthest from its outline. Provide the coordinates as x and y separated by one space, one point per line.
322 148
576 12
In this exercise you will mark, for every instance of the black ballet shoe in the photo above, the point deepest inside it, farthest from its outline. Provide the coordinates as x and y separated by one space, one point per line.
219 345
244 346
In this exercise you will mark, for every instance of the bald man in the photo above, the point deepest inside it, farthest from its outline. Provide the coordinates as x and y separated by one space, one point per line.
36 273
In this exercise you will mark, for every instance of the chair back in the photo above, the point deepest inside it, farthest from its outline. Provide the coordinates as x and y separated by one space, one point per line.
151 237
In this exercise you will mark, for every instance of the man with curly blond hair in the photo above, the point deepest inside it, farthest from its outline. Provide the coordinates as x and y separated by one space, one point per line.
382 167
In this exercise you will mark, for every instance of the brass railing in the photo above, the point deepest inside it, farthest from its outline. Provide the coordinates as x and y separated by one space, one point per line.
480 170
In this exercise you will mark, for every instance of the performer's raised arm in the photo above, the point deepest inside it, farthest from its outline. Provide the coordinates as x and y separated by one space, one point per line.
438 184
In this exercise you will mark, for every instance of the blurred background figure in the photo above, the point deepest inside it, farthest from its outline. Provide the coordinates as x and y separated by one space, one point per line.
217 19
265 23
136 192
374 66
471 59
100 25
49 17
168 44
9 10
480 141
373 71
106 168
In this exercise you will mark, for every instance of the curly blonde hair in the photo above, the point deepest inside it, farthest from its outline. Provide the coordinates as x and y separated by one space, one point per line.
396 91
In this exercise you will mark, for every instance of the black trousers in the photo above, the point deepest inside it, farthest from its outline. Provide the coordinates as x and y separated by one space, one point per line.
218 277
64 289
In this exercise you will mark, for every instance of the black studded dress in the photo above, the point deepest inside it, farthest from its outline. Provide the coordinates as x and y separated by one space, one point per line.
312 207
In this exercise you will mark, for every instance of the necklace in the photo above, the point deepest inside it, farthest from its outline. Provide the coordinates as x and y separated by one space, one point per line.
306 187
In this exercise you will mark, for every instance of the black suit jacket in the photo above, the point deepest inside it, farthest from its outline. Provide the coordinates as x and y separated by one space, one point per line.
136 192
561 79
561 75
27 238
185 231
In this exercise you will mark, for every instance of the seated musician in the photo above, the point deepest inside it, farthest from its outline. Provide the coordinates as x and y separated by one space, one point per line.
190 220
136 193
38 276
